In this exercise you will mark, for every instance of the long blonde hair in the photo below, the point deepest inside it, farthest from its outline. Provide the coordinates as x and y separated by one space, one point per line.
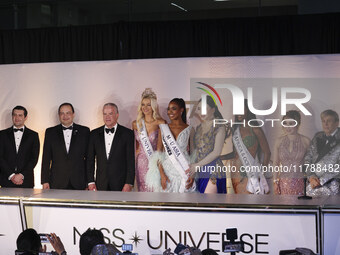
147 94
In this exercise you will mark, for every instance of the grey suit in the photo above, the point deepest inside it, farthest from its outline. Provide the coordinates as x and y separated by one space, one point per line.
321 158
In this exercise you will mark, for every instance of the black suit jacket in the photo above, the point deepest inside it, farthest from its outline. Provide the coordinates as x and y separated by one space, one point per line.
119 169
59 168
22 162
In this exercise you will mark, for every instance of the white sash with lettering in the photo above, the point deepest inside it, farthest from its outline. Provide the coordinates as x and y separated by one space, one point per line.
257 183
175 154
144 140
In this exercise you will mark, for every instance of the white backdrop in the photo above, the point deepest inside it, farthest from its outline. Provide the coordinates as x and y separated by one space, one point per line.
41 88
10 227
153 231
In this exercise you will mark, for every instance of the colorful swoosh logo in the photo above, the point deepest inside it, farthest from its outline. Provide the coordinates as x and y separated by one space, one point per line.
209 93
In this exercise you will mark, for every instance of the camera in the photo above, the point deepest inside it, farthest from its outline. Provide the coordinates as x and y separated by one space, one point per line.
127 249
231 245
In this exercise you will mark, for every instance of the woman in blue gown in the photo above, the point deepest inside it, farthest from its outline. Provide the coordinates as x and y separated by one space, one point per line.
208 142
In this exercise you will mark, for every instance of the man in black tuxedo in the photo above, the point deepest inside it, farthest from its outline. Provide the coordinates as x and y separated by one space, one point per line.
64 154
112 148
19 152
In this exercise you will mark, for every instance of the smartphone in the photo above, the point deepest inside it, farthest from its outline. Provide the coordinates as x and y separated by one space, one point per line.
43 238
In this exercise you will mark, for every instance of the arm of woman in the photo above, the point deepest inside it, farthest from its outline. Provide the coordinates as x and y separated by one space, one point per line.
276 162
263 144
218 146
164 178
134 127
191 141
191 173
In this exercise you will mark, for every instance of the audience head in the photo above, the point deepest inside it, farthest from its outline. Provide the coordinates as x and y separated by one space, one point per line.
209 252
29 241
104 249
89 239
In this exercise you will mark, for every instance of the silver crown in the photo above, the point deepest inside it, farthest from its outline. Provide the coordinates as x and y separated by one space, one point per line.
149 93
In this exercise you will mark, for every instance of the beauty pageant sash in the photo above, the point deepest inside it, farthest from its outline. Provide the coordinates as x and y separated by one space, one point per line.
257 183
174 153
144 140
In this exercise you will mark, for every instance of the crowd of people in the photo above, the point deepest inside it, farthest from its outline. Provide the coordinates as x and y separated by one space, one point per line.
157 156
91 243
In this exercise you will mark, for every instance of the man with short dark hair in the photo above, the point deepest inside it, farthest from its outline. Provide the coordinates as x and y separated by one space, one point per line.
89 239
111 154
64 153
29 241
19 152
323 157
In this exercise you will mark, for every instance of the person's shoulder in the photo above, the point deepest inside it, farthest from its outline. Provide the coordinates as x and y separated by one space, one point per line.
81 127
186 126
279 139
30 131
3 131
257 130
97 130
305 139
53 129
319 135
161 121
337 133
123 128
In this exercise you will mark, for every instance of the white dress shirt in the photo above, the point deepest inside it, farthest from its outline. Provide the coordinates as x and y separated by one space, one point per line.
17 138
108 137
67 137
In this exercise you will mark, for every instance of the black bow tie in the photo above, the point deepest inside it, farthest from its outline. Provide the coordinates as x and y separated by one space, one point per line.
69 128
18 129
109 130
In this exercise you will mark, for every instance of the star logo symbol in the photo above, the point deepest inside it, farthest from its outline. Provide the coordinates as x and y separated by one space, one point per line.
136 239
